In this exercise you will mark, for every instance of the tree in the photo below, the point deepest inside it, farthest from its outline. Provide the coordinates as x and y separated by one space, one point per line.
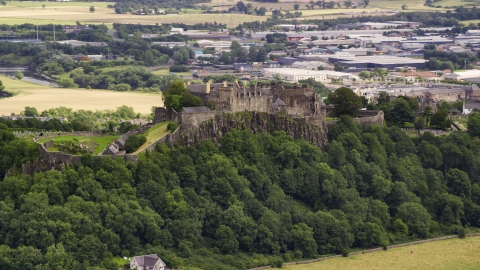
440 120
405 7
148 58
473 123
177 97
401 112
419 124
296 6
30 111
19 75
302 238
416 217
181 57
92 9
66 83
366 2
134 142
427 113
459 184
225 240
383 98
261 11
43 6
3 3
2 87
346 102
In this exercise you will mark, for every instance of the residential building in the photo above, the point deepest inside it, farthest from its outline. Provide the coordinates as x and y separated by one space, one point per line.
147 262
76 28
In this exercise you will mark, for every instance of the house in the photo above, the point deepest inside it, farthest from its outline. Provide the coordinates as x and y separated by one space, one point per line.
468 107
176 31
76 28
147 262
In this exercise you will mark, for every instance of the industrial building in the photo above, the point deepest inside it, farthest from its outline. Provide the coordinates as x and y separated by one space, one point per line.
463 75
372 62
294 75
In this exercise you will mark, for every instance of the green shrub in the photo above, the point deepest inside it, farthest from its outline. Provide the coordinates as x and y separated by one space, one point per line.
134 142
172 126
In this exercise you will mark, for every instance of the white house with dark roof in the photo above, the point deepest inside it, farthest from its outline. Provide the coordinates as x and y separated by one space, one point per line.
147 262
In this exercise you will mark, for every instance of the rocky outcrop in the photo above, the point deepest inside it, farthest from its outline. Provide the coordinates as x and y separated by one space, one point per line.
309 129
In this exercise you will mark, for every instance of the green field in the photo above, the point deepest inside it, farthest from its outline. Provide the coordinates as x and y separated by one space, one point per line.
449 254
164 72
44 98
469 22
154 133
101 142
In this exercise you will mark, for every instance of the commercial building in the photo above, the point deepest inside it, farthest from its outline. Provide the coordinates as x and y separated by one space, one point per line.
372 62
463 75
294 75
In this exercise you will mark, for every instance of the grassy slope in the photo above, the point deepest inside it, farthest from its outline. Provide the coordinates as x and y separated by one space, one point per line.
154 133
102 142
43 98
448 254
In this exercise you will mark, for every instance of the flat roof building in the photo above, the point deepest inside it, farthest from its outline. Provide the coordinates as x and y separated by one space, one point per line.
372 62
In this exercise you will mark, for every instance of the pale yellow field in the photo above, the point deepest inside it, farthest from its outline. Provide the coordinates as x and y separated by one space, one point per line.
450 254
70 12
43 97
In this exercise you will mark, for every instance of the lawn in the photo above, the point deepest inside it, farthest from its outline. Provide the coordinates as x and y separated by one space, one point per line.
43 98
120 261
470 21
154 133
164 72
101 142
449 254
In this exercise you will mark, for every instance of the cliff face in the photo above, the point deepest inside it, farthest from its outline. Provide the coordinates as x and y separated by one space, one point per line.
214 129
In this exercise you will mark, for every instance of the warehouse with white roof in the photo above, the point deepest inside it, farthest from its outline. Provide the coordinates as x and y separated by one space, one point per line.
294 74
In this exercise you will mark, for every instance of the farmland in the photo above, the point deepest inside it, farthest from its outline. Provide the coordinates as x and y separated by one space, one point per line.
69 12
101 142
447 254
43 97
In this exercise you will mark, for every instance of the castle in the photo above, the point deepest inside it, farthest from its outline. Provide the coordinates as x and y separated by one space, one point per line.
230 97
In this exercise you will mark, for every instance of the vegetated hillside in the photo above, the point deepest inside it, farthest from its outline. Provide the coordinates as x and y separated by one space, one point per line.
253 200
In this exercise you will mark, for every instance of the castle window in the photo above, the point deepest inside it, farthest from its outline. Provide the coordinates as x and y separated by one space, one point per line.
248 94
258 93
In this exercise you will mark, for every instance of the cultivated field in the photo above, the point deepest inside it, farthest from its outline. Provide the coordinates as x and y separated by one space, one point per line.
15 12
449 254
102 142
43 97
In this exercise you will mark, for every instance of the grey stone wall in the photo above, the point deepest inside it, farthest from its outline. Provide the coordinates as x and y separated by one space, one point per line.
189 120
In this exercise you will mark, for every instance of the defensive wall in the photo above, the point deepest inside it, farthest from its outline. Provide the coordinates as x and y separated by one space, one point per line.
213 125
370 250
60 160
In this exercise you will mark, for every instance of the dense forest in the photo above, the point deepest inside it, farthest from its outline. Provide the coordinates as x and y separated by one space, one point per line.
251 200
